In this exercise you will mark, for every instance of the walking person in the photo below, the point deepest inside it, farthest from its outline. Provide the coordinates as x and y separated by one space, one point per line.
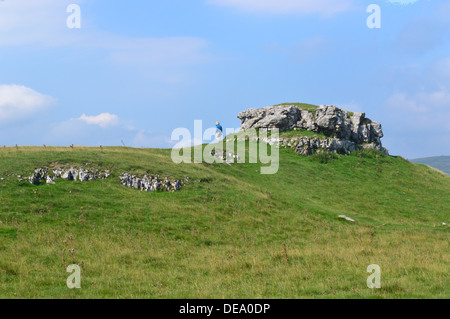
219 131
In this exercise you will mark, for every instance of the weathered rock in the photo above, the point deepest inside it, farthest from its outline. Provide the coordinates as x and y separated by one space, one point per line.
57 173
67 175
225 156
344 131
37 176
307 121
281 117
346 218
49 180
72 174
152 183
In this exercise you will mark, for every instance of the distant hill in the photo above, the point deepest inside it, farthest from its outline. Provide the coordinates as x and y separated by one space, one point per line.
441 163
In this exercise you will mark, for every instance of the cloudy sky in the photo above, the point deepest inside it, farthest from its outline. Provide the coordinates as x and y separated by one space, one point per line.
136 70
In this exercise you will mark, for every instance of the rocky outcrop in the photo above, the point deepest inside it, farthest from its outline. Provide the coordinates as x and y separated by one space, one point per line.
307 146
341 131
152 183
49 175
283 117
146 183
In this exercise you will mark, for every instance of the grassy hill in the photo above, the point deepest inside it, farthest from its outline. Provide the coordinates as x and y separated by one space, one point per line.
303 106
441 163
230 233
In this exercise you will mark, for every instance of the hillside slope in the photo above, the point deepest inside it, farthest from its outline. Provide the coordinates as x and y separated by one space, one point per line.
230 233
441 163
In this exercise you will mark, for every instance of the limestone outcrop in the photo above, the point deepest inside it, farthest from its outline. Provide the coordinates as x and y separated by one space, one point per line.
283 117
152 183
146 183
338 130
49 175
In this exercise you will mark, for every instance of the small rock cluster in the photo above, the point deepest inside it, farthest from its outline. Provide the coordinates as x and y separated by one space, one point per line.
223 155
310 145
152 183
19 177
71 174
307 146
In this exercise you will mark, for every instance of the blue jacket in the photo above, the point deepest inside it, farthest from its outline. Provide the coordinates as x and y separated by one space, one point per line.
219 128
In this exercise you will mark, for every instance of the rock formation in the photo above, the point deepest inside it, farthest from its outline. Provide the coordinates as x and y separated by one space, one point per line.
152 183
71 174
283 117
342 131
145 183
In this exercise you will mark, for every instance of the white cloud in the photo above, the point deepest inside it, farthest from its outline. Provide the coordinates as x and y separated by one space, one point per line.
42 23
415 115
417 123
19 102
156 51
102 120
79 132
421 102
403 102
323 7
425 111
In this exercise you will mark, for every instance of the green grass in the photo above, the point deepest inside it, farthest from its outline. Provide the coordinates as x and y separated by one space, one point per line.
231 233
301 132
303 106
309 107
324 157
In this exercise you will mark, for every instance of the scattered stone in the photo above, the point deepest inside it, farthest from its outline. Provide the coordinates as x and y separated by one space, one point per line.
71 174
37 177
145 183
67 176
346 218
152 183
224 156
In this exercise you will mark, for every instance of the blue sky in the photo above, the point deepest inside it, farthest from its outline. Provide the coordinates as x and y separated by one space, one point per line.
136 70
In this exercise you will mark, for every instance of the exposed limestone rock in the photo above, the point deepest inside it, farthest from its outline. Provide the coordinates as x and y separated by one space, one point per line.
224 156
282 117
145 183
67 176
346 218
344 131
152 183
37 177
71 174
